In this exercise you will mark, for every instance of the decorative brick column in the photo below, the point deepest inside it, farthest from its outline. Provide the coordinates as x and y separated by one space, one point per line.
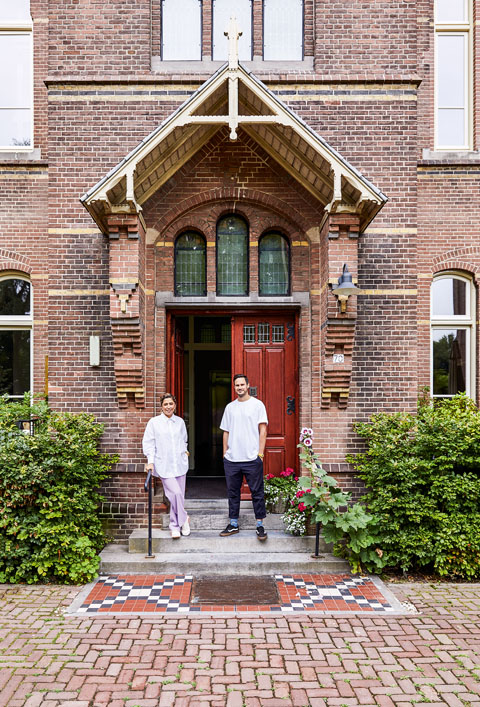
339 245
127 306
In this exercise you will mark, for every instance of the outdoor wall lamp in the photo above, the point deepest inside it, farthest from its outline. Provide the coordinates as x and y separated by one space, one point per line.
344 289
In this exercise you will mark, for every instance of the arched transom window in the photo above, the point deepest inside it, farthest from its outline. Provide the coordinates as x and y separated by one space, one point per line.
15 336
232 256
190 265
274 265
452 340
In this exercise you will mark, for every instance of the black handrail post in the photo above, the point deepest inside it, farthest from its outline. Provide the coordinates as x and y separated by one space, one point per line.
149 489
317 540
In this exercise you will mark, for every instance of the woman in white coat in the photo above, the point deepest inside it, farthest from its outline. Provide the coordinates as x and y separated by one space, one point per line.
165 446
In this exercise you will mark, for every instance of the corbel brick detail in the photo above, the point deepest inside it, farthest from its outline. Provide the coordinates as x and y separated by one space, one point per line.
339 245
126 275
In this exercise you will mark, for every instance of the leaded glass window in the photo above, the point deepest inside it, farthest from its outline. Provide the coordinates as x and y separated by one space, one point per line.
232 256
190 265
274 265
15 336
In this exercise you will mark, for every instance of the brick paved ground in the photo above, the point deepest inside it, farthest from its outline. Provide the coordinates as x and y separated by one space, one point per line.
51 660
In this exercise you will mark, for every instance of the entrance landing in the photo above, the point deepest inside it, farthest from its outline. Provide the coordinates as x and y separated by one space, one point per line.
281 594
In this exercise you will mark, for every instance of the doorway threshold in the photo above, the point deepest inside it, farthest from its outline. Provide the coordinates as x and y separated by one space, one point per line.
205 487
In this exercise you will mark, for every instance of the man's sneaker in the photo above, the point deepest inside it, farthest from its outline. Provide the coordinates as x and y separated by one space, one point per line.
229 530
261 534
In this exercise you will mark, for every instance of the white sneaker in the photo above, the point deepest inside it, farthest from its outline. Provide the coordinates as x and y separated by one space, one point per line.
175 533
186 527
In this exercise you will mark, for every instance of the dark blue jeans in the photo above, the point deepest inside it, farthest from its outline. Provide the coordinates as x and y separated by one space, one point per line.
253 472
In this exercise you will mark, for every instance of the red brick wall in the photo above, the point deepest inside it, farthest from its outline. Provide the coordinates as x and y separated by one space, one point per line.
370 96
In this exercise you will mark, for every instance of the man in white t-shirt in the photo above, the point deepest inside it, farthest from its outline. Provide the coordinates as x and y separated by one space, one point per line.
244 424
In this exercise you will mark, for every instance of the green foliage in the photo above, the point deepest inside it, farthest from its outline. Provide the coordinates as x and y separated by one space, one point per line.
49 525
422 472
348 526
280 496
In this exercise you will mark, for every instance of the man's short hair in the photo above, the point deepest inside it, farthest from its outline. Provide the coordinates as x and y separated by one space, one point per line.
240 375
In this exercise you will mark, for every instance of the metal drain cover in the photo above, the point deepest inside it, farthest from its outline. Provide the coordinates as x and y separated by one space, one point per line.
235 590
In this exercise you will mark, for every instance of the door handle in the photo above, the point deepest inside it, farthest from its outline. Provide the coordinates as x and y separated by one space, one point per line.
290 404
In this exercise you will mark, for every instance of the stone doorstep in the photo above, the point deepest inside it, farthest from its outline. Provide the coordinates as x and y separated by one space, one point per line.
115 559
209 541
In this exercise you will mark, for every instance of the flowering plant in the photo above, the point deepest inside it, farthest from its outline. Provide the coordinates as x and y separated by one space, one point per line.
279 489
349 527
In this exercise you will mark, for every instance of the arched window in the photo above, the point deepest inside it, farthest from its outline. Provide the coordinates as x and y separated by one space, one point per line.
232 256
273 265
452 324
190 265
15 336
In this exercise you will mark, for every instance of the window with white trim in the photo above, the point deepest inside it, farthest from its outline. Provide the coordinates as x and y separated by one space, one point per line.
181 30
452 335
453 74
283 30
16 75
16 323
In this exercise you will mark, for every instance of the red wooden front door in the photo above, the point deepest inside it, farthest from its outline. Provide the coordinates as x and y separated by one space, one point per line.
176 363
264 347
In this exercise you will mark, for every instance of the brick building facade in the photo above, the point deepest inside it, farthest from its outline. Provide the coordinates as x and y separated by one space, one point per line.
337 140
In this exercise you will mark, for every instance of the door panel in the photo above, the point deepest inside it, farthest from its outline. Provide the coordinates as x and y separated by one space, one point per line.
176 363
264 347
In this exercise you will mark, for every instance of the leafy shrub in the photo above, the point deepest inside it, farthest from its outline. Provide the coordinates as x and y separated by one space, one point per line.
49 525
422 473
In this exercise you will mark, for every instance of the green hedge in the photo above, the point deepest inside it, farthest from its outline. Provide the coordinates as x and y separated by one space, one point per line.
49 525
422 473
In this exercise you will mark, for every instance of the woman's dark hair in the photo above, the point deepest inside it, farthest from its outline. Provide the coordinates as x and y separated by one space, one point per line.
166 396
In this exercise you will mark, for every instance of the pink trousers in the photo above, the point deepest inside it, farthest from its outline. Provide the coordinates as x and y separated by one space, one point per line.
175 492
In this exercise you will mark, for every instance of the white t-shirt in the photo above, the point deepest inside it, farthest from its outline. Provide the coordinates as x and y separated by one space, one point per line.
241 420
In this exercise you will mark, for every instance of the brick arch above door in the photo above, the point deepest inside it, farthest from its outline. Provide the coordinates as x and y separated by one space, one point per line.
233 200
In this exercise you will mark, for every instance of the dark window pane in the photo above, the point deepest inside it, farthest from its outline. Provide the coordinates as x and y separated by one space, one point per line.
14 297
449 361
190 265
274 265
14 362
232 256
449 297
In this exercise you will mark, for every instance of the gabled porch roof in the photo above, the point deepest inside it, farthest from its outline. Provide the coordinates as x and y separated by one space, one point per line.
236 98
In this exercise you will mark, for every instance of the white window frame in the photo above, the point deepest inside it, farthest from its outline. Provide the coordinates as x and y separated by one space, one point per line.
20 27
464 322
221 30
19 323
162 36
463 29
302 46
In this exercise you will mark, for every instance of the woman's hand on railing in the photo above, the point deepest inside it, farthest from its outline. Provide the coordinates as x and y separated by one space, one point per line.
148 467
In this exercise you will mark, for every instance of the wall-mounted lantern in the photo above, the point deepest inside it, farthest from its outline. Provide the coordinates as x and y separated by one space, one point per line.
344 289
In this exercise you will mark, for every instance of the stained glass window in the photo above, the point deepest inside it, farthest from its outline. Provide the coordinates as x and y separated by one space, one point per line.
274 265
190 270
232 256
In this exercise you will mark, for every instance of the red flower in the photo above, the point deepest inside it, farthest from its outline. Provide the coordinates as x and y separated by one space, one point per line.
301 506
296 478
308 490
269 476
299 494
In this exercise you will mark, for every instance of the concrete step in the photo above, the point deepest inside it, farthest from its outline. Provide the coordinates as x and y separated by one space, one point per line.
209 541
217 519
115 559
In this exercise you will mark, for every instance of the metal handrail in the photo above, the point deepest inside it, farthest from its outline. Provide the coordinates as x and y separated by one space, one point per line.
148 487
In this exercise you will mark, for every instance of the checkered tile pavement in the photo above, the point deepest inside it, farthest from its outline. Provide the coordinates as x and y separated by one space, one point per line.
172 594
